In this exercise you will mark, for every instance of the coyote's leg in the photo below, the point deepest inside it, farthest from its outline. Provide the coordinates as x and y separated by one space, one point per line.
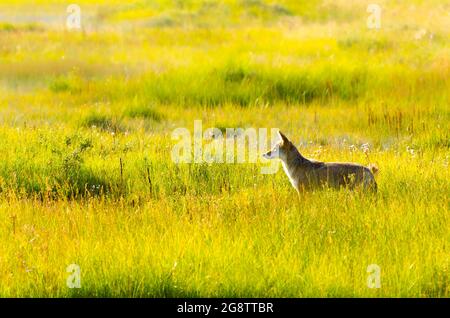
369 183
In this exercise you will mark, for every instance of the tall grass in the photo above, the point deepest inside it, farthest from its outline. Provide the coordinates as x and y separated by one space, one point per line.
86 175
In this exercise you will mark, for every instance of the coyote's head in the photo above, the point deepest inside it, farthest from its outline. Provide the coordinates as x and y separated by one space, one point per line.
280 150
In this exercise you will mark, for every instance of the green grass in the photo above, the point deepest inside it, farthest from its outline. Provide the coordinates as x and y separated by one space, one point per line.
86 175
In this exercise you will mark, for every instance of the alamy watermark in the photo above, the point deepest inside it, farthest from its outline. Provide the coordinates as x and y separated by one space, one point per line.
374 278
233 145
74 279
73 21
374 19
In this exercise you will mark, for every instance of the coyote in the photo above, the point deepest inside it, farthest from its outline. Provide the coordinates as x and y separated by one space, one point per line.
307 174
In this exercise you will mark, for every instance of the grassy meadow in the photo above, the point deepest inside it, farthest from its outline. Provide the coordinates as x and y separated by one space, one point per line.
86 175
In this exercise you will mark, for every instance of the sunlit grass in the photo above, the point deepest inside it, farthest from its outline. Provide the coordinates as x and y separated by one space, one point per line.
86 175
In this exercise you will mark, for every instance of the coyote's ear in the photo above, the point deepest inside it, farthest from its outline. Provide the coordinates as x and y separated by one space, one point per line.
283 137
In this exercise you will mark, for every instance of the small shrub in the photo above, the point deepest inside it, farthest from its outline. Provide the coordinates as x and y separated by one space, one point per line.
143 111
103 122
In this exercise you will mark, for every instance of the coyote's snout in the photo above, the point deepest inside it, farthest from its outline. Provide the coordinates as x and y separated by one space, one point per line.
307 174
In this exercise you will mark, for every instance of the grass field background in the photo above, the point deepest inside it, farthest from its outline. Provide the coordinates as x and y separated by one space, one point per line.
86 175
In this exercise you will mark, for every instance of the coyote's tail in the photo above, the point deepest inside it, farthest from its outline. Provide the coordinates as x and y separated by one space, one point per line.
373 167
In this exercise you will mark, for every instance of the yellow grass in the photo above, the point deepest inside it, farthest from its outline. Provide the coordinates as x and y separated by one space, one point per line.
86 175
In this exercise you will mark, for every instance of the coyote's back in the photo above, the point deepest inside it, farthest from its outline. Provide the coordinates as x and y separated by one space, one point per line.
335 174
